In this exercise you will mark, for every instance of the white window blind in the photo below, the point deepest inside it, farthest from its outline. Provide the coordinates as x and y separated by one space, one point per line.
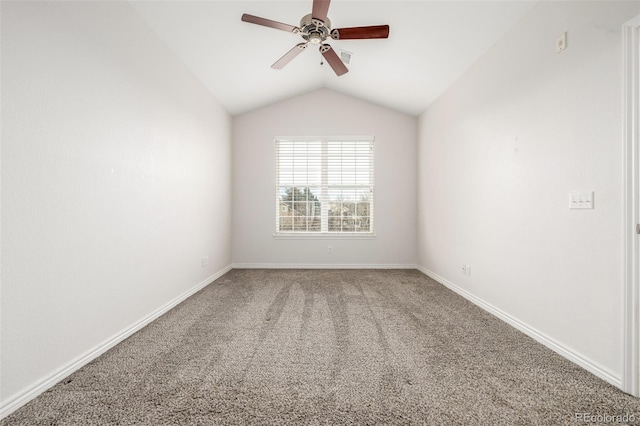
324 186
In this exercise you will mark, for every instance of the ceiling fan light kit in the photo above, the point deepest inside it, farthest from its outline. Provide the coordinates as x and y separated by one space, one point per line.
315 29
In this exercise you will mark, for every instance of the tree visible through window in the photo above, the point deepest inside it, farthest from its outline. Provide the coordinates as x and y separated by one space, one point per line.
324 186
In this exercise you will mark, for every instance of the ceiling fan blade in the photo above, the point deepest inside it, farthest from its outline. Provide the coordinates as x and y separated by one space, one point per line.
320 9
269 23
288 57
374 31
336 63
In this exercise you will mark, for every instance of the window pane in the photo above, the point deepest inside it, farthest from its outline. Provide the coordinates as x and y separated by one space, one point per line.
362 224
314 224
335 224
299 223
348 208
348 225
285 223
362 209
298 209
284 200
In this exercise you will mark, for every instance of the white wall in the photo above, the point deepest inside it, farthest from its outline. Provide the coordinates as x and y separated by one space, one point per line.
115 182
321 113
499 153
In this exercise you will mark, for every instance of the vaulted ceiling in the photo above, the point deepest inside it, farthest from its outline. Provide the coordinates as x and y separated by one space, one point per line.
431 44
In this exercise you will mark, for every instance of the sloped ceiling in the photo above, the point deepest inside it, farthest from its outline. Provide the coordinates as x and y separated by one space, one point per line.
431 44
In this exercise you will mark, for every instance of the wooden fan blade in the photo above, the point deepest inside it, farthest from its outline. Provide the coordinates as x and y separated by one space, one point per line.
320 9
269 23
374 31
336 63
288 57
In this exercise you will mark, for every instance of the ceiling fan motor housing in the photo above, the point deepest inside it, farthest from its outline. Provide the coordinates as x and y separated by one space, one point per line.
313 30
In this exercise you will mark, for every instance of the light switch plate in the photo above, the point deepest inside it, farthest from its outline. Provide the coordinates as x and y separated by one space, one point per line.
581 200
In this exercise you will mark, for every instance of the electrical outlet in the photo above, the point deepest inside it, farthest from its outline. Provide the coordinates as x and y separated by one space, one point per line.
466 270
204 261
561 42
329 249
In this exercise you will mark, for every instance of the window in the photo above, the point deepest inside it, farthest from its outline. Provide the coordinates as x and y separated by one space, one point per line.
324 186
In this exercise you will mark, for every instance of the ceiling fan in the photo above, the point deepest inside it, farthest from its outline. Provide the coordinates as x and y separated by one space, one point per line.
315 28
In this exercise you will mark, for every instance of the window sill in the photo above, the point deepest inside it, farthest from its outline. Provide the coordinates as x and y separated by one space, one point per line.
324 236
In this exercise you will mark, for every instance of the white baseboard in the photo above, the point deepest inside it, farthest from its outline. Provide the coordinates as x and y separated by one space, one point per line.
320 266
22 398
538 336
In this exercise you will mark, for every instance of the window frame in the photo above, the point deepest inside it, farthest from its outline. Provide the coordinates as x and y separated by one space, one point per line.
278 234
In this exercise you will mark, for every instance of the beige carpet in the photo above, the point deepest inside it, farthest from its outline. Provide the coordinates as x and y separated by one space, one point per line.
327 347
